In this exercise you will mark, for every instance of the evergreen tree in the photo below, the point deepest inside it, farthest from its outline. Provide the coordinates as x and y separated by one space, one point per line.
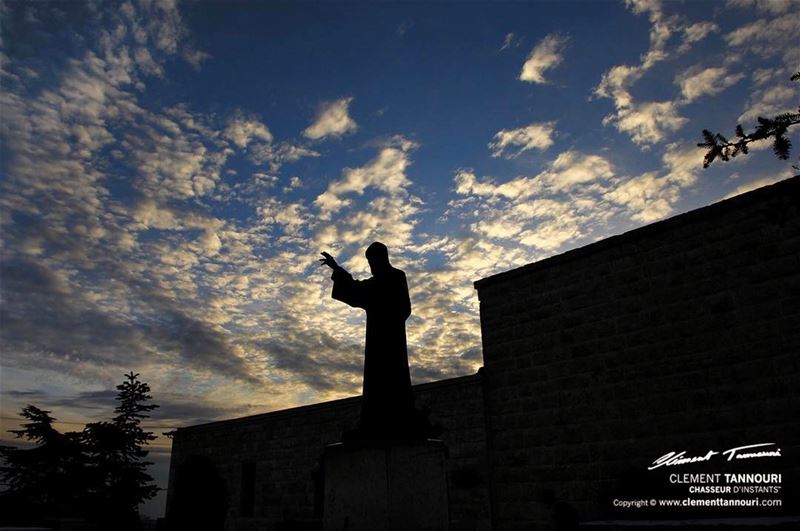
45 481
99 474
116 449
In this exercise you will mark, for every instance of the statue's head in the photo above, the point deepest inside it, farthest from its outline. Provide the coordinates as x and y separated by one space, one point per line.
378 258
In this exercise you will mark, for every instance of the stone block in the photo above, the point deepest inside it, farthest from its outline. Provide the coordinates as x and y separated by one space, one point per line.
402 486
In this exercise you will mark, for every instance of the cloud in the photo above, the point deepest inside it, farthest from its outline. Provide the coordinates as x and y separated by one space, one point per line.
248 132
188 409
646 195
333 120
534 136
661 29
762 76
241 130
543 211
133 268
775 7
151 30
291 216
174 409
651 196
295 182
276 155
572 167
651 122
647 123
568 170
695 33
682 162
765 38
615 84
547 54
769 37
196 58
317 359
386 172
102 402
467 183
695 83
65 327
511 40
574 200
120 269
174 160
770 101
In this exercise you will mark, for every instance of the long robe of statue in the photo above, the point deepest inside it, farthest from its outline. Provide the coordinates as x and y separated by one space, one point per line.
387 403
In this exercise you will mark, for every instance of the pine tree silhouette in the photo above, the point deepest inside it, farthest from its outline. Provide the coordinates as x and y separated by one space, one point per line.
98 474
117 457
45 481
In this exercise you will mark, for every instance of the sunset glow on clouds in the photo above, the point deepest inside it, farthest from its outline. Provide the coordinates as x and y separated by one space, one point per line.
170 174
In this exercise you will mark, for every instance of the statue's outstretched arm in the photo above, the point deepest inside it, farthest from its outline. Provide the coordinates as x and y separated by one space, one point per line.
329 261
345 288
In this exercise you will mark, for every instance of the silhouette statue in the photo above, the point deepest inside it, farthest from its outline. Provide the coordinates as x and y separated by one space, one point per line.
387 407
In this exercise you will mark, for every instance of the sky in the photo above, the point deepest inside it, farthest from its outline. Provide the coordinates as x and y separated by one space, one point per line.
171 171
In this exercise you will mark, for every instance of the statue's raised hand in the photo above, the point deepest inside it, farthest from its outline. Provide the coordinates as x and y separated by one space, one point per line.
328 260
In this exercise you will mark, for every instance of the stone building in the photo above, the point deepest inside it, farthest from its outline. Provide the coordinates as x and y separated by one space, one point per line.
683 335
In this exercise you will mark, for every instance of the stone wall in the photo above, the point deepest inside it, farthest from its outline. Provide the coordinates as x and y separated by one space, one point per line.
282 449
682 335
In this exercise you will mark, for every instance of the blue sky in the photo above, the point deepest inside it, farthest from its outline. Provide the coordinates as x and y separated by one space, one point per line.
170 173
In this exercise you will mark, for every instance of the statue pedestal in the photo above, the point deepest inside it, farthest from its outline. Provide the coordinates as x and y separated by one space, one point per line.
391 487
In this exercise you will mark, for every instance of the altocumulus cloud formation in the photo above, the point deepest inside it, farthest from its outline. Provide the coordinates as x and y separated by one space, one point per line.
333 119
511 143
547 54
165 192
